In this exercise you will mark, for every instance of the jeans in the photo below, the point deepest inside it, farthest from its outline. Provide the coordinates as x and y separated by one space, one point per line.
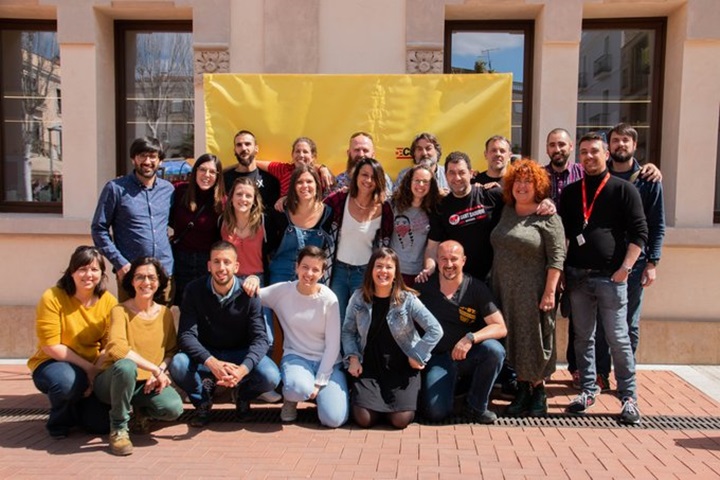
298 375
65 383
593 298
118 386
345 280
188 266
482 364
189 375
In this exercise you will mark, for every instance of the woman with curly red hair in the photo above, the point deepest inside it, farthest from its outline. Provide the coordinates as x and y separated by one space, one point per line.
529 255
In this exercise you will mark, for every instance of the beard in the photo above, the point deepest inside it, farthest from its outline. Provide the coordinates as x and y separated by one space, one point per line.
621 157
559 160
429 162
139 171
245 162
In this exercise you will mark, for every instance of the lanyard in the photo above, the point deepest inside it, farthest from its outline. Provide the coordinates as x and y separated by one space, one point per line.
587 210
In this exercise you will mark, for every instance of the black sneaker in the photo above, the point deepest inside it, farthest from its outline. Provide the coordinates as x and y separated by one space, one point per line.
202 415
242 409
486 418
630 413
581 403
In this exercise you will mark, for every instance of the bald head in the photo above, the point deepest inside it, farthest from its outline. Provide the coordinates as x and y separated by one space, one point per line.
450 260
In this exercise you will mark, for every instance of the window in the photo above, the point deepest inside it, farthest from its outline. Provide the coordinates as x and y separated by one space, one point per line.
621 78
31 134
154 61
497 47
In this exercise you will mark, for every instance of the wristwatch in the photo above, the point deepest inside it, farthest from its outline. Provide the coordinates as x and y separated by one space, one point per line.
470 337
627 269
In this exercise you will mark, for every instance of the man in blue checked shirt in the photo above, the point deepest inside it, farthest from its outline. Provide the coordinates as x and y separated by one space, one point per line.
136 207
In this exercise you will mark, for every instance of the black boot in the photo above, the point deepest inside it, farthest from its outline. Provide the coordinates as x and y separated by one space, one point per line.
538 401
521 404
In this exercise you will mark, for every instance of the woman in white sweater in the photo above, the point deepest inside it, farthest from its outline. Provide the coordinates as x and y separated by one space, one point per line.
310 317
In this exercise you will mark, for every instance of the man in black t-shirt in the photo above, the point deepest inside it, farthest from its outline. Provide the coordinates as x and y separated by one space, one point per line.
246 150
472 326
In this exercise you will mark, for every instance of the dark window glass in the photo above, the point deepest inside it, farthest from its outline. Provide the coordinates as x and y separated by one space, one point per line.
155 87
31 136
497 47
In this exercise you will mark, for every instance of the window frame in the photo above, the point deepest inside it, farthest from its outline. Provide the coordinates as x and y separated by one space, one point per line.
500 26
15 206
121 27
659 26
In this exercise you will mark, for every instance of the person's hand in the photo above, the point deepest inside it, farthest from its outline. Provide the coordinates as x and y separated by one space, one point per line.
235 375
355 368
123 271
314 393
461 349
326 177
546 207
489 185
425 274
651 173
620 276
415 364
163 380
648 275
251 285
150 384
280 204
547 302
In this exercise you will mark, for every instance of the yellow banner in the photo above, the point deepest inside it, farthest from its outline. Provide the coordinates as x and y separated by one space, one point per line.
461 110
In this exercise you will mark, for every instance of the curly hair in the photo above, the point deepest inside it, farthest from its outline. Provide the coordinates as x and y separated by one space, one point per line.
526 169
403 196
163 279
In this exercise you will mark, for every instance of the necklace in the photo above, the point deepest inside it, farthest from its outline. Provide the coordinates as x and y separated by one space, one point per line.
360 206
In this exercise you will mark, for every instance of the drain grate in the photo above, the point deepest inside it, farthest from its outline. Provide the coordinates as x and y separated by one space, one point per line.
309 416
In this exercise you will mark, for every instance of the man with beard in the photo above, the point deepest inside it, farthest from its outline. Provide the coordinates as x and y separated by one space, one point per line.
223 340
472 326
562 172
246 149
497 154
360 146
426 150
137 209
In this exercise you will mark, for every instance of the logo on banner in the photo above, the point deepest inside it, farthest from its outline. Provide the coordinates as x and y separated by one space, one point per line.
403 153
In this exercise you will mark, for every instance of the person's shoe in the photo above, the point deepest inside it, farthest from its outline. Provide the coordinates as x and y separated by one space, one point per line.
581 403
603 382
576 380
509 389
208 386
59 433
140 423
521 402
288 413
269 397
538 402
242 409
120 443
486 418
201 417
630 413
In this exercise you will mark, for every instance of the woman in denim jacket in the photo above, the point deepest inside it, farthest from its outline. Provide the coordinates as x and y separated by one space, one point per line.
383 349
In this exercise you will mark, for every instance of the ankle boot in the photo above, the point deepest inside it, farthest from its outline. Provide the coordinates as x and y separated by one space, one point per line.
521 404
538 401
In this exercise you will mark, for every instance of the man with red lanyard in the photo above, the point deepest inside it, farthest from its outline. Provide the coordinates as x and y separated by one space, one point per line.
606 231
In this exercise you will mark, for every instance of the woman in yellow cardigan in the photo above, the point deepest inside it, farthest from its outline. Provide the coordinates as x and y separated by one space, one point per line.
141 342
71 320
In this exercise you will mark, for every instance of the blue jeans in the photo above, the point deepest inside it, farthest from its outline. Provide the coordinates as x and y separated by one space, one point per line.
345 280
118 386
482 365
298 375
596 298
65 383
189 375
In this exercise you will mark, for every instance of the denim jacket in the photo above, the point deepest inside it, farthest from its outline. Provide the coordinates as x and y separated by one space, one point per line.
401 319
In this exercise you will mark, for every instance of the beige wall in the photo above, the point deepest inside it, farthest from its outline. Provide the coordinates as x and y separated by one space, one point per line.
373 36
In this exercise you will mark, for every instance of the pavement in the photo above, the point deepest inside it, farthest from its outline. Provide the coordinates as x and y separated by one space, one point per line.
678 439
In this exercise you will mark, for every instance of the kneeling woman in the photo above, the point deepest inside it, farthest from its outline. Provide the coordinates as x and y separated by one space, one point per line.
310 317
383 349
141 343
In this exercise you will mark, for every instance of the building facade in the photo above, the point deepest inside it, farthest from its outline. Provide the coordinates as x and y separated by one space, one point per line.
69 111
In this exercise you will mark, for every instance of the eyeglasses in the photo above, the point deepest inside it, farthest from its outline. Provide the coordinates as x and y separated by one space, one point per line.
208 171
421 182
142 278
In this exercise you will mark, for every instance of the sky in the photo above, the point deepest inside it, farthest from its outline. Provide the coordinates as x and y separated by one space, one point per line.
503 51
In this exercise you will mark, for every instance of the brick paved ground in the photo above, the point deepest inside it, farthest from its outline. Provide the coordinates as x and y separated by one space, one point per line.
273 451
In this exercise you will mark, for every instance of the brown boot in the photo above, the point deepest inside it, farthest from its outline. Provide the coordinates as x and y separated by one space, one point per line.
120 443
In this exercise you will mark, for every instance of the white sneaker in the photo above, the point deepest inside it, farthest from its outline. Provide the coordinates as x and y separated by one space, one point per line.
288 413
269 397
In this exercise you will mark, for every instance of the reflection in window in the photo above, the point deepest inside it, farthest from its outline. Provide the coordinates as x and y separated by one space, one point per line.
32 128
496 47
620 80
157 91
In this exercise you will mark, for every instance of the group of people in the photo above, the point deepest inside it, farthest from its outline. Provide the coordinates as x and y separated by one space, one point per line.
390 298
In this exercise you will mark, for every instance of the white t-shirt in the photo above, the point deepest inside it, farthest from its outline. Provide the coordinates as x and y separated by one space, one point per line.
356 238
